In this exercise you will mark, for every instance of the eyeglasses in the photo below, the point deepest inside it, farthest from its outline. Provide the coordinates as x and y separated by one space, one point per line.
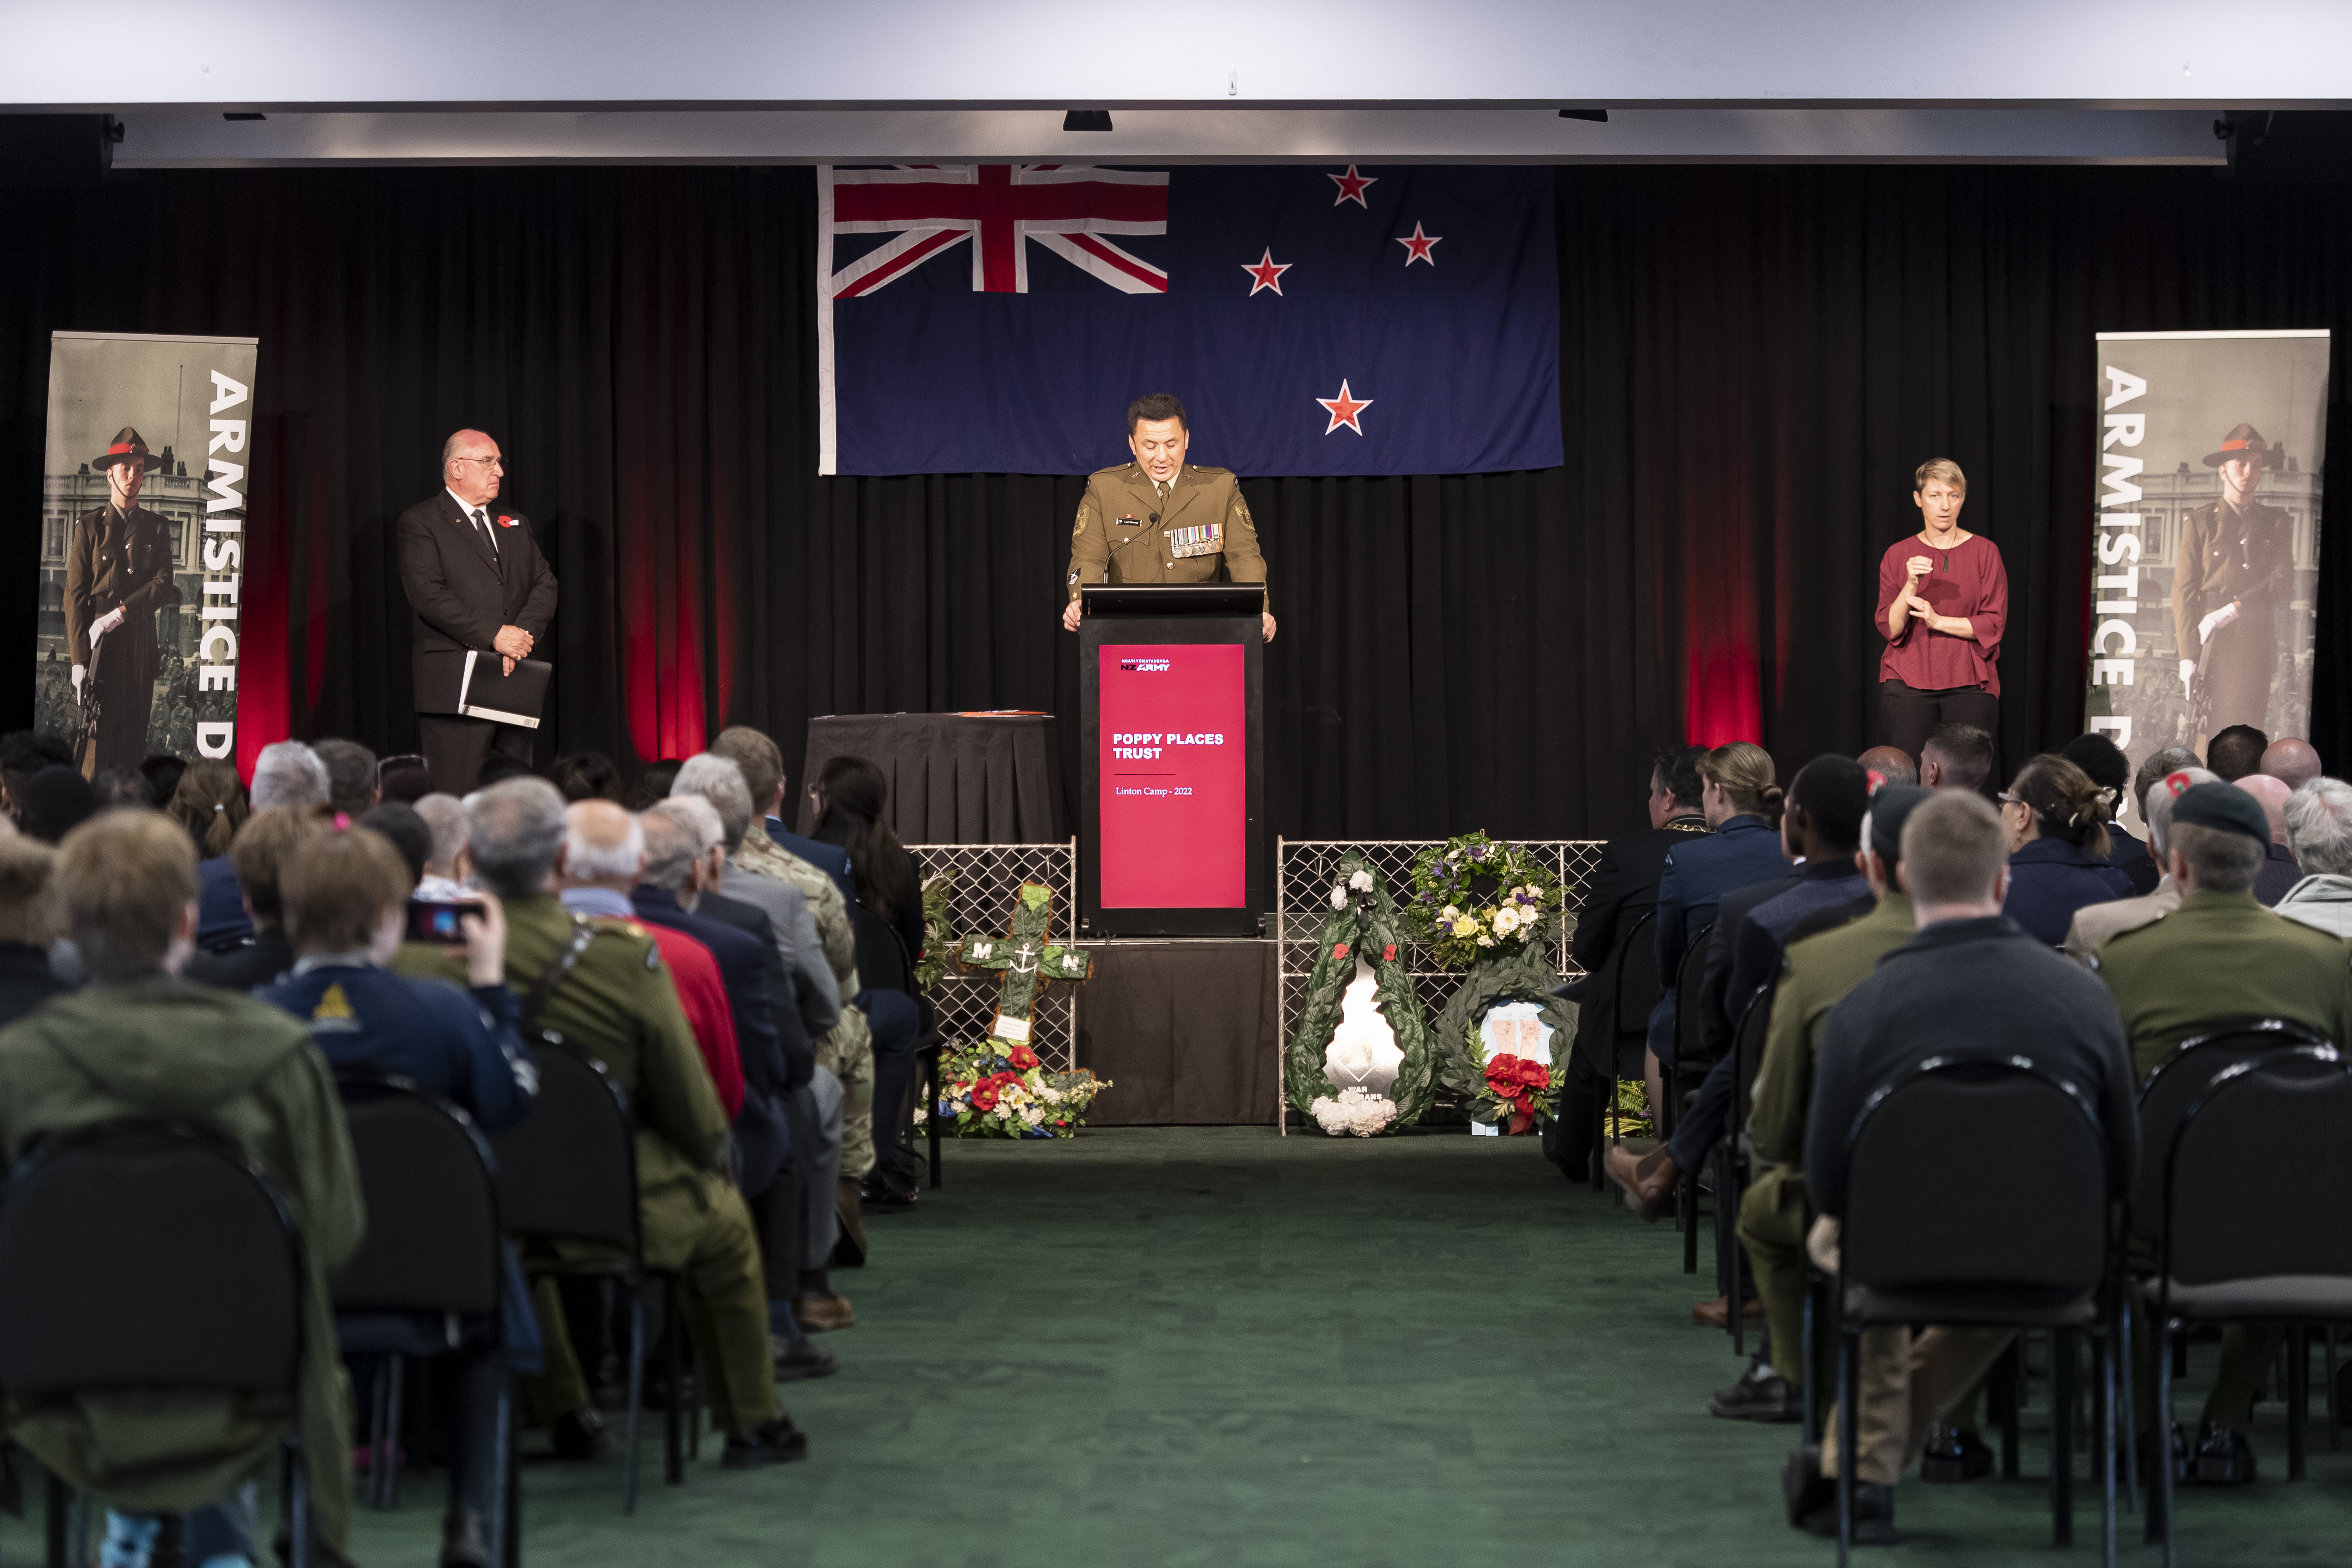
485 462
2008 799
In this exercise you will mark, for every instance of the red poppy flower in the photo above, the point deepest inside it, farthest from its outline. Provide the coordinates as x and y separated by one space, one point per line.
983 1095
1021 1057
1388 953
1534 1074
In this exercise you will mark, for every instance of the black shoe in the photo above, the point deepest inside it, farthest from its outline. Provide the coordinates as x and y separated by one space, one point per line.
465 1540
799 1360
1873 1516
878 1195
2225 1458
779 1442
1955 1456
1803 1488
1761 1394
579 1436
2146 1447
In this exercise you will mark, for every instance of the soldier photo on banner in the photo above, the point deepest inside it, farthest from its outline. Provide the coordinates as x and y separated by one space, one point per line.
143 546
2205 550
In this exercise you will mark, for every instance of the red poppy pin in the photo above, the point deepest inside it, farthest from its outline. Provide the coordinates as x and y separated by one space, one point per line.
506 519
1388 953
1339 950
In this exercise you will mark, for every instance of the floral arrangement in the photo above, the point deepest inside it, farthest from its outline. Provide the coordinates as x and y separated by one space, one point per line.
939 940
1359 1111
1515 1095
996 1089
1477 898
1357 882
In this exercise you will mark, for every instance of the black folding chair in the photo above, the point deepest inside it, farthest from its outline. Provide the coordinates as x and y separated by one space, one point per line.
188 1203
429 1277
568 1172
1681 1079
1731 1177
2231 1252
1635 992
2022 1244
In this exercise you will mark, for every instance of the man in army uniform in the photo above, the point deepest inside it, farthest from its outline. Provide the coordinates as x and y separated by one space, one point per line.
616 1002
1159 519
118 574
2235 559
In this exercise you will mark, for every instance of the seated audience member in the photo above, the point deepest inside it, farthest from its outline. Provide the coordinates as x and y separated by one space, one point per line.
2236 750
210 804
1970 983
23 754
1623 887
499 768
762 762
407 779
138 1044
162 772
2095 925
2146 872
853 802
1742 804
2058 841
445 818
121 786
351 776
1820 970
345 899
29 925
1892 765
653 784
1957 756
2319 831
260 854
2219 959
2111 771
1821 827
604 850
2294 761
720 782
406 832
285 773
2279 871
586 775
617 1003
53 803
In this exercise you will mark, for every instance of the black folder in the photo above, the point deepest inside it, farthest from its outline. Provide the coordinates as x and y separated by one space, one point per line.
486 692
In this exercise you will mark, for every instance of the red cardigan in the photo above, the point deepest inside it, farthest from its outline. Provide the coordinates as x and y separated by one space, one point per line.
1969 581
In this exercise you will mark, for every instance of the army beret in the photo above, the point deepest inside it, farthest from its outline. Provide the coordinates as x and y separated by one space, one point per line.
2225 806
1890 809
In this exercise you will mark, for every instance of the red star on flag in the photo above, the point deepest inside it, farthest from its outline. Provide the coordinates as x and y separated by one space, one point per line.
1344 408
1417 246
1352 188
1266 272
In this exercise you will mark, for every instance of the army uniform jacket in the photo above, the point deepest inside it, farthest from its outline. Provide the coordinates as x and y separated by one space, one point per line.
117 561
2218 958
2225 555
1203 523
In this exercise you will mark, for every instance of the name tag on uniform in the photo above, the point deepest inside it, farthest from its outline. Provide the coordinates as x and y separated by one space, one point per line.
1126 521
1208 539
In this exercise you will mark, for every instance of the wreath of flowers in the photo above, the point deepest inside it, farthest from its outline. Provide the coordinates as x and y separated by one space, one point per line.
1363 918
1475 899
1517 1096
999 1090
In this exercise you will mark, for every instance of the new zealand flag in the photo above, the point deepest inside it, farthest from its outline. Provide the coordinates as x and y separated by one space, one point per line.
1000 317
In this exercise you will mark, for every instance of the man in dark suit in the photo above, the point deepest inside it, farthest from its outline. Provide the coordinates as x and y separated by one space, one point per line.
478 585
1624 888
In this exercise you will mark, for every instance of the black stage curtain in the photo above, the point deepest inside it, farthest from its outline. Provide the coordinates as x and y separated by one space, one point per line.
1753 360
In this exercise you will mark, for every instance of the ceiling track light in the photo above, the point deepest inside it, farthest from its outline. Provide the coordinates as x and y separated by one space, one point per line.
1597 116
1087 120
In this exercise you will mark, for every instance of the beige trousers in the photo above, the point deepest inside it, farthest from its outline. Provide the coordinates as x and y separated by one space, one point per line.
1909 1381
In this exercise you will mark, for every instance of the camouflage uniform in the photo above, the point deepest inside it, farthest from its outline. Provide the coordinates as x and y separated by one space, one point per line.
846 1050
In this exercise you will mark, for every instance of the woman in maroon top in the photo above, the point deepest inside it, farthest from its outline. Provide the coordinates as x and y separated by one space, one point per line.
1943 603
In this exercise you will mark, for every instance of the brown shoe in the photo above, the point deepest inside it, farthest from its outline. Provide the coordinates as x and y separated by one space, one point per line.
1648 1181
1715 1314
817 1314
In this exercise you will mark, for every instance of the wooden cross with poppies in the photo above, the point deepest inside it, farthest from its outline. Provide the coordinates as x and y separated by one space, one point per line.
1027 961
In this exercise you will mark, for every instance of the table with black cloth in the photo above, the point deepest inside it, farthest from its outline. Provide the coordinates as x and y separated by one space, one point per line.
1184 1030
954 778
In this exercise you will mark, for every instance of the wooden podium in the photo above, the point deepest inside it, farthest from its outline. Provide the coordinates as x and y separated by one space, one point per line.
1172 805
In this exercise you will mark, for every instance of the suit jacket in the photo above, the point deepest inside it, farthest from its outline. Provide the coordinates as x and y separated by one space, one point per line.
785 1006
2279 873
1117 539
830 859
462 593
1624 887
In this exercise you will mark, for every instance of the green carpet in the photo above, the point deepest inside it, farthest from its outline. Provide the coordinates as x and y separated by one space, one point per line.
1218 1347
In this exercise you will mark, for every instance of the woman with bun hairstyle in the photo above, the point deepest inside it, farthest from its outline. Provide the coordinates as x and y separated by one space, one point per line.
210 804
1742 803
2058 848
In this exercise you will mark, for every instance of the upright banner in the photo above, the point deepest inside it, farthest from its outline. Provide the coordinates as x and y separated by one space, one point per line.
2206 543
142 544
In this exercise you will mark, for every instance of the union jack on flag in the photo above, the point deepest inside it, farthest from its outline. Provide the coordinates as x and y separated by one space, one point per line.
1000 208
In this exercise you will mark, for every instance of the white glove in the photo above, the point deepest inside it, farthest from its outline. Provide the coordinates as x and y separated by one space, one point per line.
106 623
2188 669
2215 622
79 671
